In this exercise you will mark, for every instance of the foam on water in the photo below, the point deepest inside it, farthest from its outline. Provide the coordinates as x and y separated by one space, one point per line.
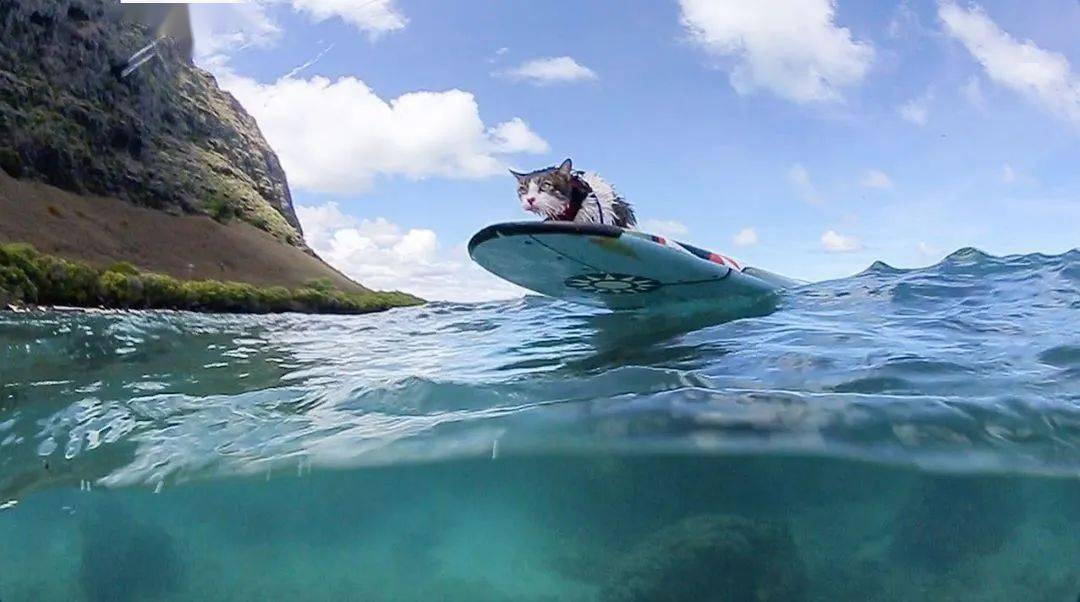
898 429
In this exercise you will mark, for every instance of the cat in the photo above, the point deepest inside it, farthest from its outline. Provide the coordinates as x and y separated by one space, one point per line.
564 195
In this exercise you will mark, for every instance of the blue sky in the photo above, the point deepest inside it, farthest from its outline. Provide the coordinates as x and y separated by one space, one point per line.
805 136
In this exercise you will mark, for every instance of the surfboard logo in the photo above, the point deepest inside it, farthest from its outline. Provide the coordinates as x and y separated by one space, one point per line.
612 284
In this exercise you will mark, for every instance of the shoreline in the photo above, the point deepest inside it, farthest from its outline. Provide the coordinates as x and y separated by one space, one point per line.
101 231
42 309
29 279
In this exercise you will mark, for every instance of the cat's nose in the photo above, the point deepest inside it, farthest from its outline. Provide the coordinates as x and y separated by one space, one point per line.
531 201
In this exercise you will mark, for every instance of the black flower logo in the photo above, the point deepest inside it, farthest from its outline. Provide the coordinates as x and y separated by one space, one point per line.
612 284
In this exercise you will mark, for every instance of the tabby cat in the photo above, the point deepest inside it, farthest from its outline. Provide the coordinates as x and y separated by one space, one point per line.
565 195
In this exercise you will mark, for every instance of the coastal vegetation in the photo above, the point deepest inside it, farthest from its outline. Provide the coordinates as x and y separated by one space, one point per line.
30 277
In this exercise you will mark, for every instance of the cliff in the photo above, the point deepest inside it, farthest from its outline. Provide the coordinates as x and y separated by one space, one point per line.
157 170
164 137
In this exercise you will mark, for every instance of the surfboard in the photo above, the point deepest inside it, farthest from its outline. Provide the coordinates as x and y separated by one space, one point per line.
607 266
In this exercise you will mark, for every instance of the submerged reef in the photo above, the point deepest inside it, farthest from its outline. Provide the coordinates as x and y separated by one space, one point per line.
123 559
946 520
711 557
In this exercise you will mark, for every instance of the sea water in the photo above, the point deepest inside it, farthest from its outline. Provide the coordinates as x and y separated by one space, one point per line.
897 435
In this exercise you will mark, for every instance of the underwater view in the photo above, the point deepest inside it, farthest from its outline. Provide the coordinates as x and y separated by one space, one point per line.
897 435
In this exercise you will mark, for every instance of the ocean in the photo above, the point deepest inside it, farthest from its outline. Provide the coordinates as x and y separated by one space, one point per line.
895 435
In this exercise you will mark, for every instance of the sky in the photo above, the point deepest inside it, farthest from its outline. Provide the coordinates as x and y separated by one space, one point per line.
807 137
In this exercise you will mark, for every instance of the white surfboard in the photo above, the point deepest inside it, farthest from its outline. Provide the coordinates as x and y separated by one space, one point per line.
606 266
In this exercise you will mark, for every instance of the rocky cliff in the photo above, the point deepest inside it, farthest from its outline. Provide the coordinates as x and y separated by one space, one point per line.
165 137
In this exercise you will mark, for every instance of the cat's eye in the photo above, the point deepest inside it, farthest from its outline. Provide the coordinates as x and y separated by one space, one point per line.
545 186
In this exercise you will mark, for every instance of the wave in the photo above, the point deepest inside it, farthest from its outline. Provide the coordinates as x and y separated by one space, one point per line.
971 364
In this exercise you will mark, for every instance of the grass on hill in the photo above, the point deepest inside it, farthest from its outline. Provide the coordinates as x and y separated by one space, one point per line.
30 277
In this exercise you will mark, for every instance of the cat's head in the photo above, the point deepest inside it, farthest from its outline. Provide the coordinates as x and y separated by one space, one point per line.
546 192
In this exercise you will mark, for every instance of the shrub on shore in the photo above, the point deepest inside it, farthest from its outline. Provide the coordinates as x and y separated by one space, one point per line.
11 162
27 276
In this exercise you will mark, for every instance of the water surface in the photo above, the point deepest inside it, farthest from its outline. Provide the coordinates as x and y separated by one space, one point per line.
897 435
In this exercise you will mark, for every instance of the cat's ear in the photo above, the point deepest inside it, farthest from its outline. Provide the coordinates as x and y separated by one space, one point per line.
566 167
520 176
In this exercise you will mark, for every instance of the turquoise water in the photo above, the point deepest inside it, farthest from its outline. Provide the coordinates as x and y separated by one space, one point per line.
897 435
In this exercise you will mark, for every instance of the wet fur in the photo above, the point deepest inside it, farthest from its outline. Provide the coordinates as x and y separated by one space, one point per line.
552 191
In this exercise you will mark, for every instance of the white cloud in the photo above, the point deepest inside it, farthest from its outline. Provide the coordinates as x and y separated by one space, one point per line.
514 136
834 242
916 110
336 136
373 17
1043 76
904 22
745 237
792 48
972 92
926 248
800 179
875 178
669 228
1007 174
219 29
550 70
308 63
380 255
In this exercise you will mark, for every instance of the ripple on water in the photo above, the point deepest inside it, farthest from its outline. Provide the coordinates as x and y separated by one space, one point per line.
933 366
